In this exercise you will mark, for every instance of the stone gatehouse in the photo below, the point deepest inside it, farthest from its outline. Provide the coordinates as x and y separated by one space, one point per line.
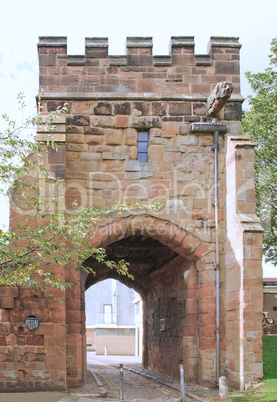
130 133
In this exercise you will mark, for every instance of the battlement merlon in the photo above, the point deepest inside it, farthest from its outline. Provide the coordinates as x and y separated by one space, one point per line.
177 44
181 72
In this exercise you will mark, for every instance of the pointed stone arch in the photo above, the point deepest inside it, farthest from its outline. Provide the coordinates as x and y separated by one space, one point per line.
168 294
168 233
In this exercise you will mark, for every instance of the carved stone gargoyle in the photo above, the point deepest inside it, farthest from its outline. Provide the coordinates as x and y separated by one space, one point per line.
220 95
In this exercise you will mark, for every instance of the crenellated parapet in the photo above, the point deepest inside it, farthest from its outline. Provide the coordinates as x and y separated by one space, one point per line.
181 73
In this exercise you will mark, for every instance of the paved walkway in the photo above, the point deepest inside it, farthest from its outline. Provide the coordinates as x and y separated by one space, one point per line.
59 397
95 390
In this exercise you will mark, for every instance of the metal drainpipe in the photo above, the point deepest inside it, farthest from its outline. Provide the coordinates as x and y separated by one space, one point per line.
215 148
216 129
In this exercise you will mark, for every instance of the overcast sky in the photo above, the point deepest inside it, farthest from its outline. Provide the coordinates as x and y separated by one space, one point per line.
22 22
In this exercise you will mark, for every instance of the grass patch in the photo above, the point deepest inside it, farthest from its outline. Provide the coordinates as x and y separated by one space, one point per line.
270 357
267 391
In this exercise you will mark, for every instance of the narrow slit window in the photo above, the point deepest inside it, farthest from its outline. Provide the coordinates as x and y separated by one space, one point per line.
143 146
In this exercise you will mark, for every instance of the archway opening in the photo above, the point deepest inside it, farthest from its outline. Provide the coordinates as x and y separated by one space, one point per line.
174 276
159 279
113 322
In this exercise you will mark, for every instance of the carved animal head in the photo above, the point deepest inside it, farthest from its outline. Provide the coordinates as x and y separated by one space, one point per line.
223 89
218 98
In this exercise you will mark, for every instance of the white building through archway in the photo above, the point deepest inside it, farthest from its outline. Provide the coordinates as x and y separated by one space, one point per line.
113 319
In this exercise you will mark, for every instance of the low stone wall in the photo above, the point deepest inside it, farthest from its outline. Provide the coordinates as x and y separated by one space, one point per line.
90 338
117 342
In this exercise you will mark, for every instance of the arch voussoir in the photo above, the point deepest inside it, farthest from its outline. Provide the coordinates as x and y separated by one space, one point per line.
164 231
169 234
99 237
177 239
200 251
187 245
116 230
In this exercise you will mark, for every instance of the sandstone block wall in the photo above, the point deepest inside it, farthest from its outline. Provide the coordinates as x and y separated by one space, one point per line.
110 99
32 359
180 73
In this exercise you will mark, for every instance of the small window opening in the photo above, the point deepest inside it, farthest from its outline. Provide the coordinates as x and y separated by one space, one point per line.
143 146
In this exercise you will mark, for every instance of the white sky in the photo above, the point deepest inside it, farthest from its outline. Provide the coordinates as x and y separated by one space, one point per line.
22 22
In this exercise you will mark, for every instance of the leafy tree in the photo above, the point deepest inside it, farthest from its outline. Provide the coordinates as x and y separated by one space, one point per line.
46 232
260 124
